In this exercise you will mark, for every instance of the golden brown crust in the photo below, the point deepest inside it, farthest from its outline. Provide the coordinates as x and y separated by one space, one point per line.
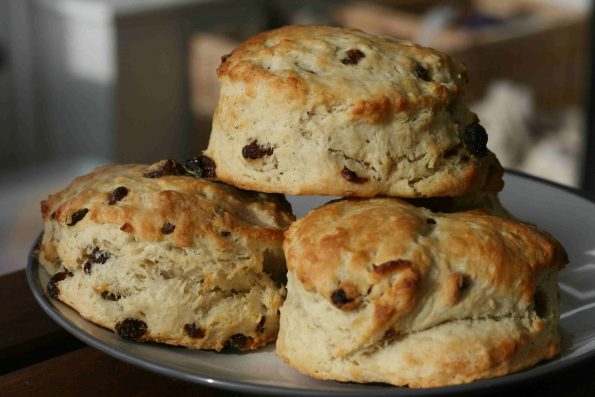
412 272
514 252
250 63
197 207
392 116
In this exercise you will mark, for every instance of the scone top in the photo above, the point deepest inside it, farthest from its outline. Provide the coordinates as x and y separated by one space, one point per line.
328 111
164 202
378 76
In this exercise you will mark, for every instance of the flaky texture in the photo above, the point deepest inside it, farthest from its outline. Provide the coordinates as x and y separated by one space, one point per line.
168 258
328 111
383 291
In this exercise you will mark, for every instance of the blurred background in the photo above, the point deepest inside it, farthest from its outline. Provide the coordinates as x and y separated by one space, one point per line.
90 82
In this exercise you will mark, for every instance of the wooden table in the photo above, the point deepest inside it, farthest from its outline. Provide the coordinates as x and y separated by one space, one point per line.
38 358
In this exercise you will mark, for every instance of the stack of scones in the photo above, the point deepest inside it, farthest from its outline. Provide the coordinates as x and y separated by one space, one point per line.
417 277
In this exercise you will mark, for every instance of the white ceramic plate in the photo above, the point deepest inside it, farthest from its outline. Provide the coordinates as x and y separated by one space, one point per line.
563 212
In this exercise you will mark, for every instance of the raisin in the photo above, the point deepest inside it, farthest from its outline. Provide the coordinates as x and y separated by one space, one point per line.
131 329
475 138
201 166
168 228
238 341
351 176
97 256
422 72
388 335
118 194
255 151
164 168
339 298
193 331
224 57
464 284
110 296
127 227
225 233
352 57
77 216
260 325
52 288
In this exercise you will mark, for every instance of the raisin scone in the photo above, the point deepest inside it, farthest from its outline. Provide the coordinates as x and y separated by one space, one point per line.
157 254
337 112
382 291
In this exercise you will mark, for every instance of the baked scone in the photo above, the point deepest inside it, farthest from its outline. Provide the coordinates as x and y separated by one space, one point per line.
328 111
158 255
382 291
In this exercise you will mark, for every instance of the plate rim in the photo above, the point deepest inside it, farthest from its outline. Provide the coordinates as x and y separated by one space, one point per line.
531 374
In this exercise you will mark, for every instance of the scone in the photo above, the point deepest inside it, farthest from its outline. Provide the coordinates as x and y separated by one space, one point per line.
382 291
158 255
328 111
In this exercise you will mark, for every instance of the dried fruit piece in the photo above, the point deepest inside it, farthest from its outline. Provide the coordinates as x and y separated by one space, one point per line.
193 331
475 139
260 325
255 151
52 287
422 72
164 168
351 176
201 166
340 298
388 335
118 194
352 57
238 341
131 329
168 228
224 57
77 216
97 256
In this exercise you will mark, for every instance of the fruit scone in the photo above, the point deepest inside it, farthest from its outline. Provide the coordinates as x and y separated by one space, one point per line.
158 254
380 290
338 112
